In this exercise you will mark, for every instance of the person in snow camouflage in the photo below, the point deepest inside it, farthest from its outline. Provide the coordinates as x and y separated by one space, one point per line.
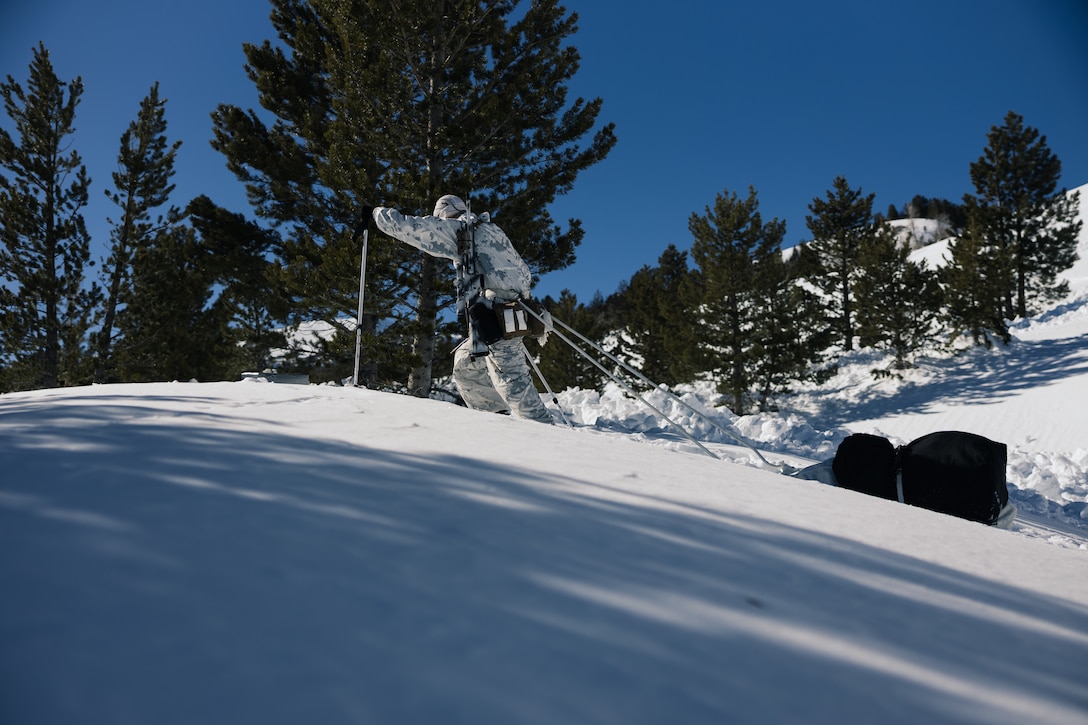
493 377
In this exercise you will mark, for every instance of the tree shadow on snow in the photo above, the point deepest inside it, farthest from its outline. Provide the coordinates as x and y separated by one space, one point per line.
171 573
976 377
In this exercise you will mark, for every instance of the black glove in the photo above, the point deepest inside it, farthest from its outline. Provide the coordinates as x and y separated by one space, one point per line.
366 213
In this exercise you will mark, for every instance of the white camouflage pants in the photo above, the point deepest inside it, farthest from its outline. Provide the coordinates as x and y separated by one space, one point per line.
499 381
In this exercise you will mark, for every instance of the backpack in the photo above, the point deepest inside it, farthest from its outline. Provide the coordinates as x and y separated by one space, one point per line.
955 473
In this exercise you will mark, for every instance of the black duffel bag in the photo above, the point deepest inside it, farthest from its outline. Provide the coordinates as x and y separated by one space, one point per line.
955 473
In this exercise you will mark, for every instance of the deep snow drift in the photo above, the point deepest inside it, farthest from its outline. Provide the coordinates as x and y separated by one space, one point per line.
267 553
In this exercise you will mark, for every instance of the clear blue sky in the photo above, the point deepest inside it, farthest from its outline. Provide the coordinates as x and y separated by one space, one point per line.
706 96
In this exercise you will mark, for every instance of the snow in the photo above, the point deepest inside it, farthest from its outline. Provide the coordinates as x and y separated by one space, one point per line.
935 255
270 553
917 233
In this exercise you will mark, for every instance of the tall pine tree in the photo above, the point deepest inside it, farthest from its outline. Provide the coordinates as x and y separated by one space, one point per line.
1022 211
976 283
839 224
658 303
46 306
560 364
145 165
789 328
729 241
898 300
238 249
398 102
172 324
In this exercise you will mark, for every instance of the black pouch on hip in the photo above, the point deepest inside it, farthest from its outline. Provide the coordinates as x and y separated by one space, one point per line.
484 323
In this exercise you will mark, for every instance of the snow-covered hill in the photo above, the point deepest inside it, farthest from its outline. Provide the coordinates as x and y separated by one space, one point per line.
247 552
918 233
253 552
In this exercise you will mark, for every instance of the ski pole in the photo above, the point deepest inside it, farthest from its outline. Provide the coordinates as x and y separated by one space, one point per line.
359 319
621 383
547 387
783 468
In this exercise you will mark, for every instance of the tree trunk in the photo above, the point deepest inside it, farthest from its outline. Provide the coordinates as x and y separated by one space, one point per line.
51 357
102 365
847 327
1021 286
419 381
738 382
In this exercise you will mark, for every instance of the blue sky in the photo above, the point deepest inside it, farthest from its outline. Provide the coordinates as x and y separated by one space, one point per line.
706 97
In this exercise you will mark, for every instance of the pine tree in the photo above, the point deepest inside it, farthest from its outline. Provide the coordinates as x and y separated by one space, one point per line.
46 306
728 241
237 253
789 328
145 165
657 316
173 326
398 103
1022 211
559 363
975 283
839 224
898 300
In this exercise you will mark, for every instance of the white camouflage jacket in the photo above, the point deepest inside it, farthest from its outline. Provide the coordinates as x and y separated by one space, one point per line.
505 273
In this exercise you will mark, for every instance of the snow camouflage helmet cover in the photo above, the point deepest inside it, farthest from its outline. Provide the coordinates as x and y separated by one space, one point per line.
449 207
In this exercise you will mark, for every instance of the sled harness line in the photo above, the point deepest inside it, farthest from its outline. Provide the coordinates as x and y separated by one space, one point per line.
780 467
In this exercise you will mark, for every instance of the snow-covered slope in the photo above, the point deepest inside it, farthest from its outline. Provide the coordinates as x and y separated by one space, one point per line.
917 233
247 552
1031 394
259 553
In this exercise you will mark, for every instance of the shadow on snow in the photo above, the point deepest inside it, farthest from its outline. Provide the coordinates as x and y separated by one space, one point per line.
157 572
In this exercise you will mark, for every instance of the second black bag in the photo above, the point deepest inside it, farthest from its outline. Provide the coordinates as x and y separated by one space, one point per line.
956 473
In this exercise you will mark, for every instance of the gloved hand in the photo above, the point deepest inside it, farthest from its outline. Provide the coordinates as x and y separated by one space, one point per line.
366 213
546 317
540 321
